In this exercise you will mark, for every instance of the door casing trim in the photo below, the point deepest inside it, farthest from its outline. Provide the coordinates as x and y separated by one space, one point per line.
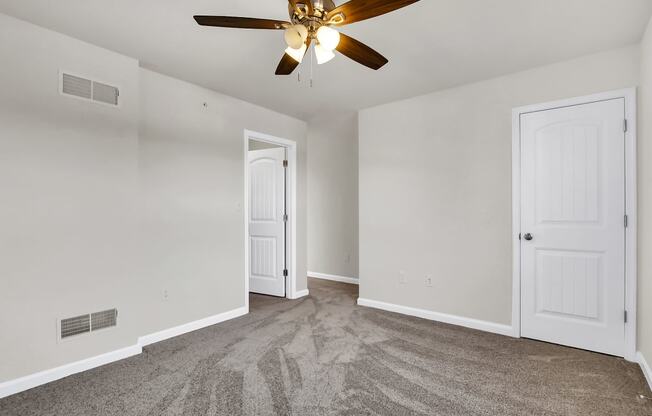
291 147
629 95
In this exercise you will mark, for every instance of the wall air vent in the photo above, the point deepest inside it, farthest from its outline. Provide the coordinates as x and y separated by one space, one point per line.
104 319
105 93
79 87
89 90
75 326
88 323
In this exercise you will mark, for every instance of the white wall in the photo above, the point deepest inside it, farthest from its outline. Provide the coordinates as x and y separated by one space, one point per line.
256 145
435 186
68 174
645 200
333 195
192 183
104 207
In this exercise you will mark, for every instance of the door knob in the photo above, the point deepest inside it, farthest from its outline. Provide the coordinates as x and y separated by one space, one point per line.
528 236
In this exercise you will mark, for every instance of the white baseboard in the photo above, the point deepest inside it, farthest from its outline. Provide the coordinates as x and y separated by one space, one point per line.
334 277
11 387
300 294
647 371
440 317
191 326
18 385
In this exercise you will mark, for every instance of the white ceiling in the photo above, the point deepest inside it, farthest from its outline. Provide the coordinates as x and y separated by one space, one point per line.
431 45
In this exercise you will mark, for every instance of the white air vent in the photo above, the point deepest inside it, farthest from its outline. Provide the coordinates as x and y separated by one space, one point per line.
89 90
79 87
104 319
88 323
105 93
75 326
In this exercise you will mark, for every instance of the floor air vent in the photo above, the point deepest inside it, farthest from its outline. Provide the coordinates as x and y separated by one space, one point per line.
88 323
89 90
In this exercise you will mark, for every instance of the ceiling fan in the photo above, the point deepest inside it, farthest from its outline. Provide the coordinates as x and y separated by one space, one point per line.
313 22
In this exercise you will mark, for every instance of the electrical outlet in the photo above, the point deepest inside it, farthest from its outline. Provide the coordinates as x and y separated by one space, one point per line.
428 281
402 279
165 294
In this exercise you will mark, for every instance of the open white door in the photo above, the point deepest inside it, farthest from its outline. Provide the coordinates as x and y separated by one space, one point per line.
267 269
573 226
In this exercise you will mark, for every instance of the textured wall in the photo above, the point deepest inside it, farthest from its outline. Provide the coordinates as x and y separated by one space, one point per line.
645 200
435 186
68 174
137 207
192 186
333 195
256 145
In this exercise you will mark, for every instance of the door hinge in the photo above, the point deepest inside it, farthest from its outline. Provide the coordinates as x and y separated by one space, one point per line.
625 316
285 218
626 220
285 163
285 272
625 126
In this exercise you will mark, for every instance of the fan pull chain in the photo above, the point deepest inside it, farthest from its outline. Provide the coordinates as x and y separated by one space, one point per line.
310 69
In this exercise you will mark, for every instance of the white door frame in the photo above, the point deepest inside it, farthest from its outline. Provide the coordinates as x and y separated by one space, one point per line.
630 206
291 241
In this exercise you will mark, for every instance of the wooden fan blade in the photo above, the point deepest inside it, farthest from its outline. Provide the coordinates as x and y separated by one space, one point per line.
288 64
307 3
329 5
360 52
357 10
240 22
293 6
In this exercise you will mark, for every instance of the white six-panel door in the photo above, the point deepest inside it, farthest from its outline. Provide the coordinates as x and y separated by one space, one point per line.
572 223
266 222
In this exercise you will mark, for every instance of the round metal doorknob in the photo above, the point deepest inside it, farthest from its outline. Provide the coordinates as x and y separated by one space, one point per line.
528 236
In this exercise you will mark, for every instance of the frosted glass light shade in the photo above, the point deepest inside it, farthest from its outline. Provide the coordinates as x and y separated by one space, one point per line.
328 37
323 55
303 31
292 38
297 54
295 36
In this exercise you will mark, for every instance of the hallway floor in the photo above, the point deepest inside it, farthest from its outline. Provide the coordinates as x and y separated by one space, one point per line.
323 355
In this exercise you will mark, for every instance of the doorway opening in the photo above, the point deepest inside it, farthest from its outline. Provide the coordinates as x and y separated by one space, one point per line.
270 189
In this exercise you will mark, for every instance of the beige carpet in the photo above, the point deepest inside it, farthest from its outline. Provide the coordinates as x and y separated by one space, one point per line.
323 355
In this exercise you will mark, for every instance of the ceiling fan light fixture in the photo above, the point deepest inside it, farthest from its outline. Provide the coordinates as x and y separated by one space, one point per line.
303 31
295 36
297 53
323 55
328 37
314 22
